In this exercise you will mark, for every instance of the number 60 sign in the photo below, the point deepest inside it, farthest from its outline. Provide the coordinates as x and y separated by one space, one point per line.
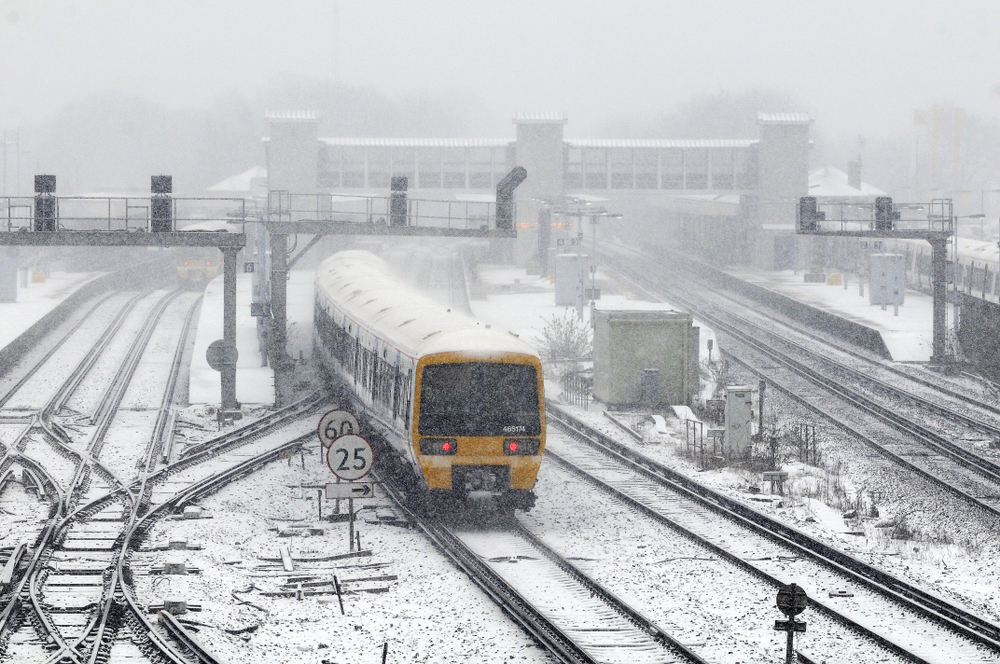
335 424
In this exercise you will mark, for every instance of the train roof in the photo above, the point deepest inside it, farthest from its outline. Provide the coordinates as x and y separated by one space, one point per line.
361 285
209 225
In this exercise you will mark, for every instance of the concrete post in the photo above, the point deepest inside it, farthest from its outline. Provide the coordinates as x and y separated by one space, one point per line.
939 257
277 354
228 373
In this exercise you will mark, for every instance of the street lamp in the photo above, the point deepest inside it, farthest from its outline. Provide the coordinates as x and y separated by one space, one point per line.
593 250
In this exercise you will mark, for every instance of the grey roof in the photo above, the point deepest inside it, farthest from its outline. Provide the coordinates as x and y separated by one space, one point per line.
292 116
783 118
660 142
420 142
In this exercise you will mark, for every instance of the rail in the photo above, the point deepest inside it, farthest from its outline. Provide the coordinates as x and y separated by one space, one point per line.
956 618
517 607
939 444
396 210
177 631
121 213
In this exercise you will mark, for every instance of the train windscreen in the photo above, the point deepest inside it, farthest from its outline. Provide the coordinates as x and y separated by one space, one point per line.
479 399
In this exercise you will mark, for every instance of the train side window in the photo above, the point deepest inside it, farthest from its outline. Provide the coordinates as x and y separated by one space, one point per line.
408 391
397 379
352 358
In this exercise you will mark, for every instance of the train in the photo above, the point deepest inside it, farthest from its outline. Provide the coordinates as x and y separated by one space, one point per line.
978 268
458 407
196 266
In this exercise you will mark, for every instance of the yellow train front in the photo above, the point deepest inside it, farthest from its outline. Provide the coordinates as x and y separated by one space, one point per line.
196 266
459 406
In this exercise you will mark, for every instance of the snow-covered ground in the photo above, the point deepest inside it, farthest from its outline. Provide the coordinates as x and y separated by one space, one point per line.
37 298
908 335
430 612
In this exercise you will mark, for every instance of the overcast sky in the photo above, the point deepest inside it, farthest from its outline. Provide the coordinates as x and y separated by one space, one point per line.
860 67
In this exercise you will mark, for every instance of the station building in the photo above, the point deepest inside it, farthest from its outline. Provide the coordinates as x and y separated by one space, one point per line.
736 198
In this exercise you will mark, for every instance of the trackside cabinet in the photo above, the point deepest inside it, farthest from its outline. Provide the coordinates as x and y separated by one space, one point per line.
738 419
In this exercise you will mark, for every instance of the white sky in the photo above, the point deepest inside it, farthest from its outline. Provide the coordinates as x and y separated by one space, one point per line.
860 67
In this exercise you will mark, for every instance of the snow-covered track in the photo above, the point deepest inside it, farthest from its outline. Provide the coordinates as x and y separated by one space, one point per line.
796 371
179 646
88 317
569 614
76 607
700 513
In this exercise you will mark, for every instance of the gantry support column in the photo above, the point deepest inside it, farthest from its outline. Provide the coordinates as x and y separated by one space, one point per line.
939 258
228 373
277 338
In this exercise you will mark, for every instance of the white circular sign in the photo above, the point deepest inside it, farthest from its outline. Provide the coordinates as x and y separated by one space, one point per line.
335 424
350 457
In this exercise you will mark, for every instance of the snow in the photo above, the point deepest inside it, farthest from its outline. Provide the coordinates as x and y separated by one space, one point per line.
37 299
254 382
908 336
430 592
429 613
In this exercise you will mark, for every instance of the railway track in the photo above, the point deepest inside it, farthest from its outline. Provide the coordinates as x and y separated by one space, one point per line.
800 373
229 459
71 604
922 626
572 616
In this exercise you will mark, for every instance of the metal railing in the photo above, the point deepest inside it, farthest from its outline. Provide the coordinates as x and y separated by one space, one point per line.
576 389
936 216
125 213
385 210
128 213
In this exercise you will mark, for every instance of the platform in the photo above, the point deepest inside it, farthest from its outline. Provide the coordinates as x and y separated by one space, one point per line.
254 382
908 336
36 300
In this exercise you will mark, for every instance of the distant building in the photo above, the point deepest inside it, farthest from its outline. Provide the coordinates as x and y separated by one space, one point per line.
250 183
703 191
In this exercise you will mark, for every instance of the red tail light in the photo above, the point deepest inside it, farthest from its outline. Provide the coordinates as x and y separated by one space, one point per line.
521 446
438 446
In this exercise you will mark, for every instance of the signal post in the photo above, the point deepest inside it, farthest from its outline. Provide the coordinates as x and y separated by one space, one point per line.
934 222
792 600
396 215
140 222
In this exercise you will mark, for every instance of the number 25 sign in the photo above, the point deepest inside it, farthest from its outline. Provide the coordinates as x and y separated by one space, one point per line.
350 457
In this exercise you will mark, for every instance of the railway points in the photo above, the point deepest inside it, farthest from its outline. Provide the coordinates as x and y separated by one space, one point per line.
196 470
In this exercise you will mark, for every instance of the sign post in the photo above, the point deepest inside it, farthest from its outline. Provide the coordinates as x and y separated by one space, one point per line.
222 356
332 425
792 600
350 458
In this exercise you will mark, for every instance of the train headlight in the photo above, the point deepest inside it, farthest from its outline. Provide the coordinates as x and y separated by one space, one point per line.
520 446
438 446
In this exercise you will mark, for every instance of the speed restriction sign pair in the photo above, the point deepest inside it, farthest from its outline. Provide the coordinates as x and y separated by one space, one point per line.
348 455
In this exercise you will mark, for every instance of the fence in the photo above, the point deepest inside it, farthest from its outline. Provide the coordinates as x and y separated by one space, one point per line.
576 389
112 213
695 435
451 214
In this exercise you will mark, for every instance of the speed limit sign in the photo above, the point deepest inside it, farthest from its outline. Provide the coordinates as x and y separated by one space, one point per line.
334 424
350 457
